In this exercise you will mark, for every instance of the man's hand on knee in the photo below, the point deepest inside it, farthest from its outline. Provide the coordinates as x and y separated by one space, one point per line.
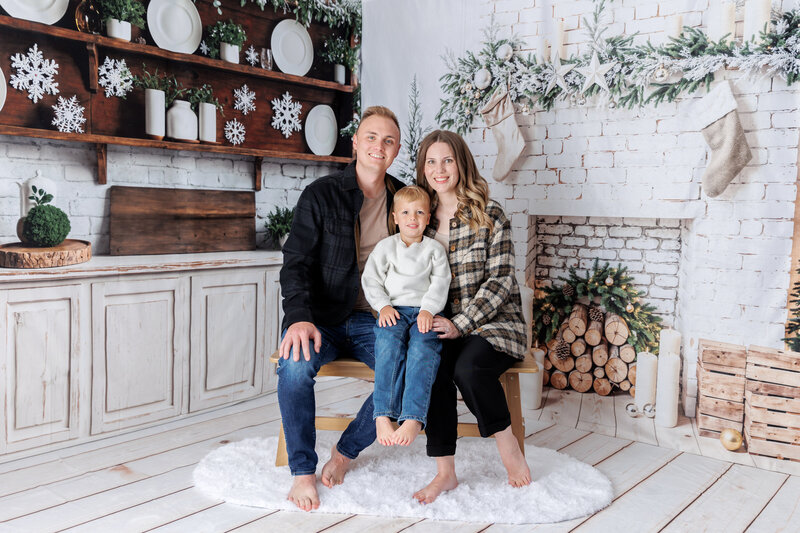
297 339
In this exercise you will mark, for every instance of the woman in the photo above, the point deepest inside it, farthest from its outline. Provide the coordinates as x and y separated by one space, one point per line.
485 328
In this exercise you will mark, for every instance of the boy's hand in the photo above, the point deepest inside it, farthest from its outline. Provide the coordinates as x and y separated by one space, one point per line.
388 316
424 321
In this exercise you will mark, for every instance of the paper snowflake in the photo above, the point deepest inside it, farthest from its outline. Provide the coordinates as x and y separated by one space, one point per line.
234 132
69 115
204 49
35 74
116 77
286 115
252 56
245 99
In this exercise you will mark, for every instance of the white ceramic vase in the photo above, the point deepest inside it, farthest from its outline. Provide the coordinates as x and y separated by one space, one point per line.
338 73
118 29
181 121
229 53
154 113
208 122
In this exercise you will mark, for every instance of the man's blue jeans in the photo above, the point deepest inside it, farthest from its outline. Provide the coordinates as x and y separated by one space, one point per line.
405 368
354 338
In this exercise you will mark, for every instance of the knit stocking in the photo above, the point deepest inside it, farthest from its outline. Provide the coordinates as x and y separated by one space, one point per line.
498 113
722 130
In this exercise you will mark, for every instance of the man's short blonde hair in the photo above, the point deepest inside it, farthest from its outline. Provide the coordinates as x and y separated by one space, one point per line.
411 193
381 111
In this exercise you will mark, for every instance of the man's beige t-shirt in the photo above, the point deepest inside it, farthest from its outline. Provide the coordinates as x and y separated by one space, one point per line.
373 229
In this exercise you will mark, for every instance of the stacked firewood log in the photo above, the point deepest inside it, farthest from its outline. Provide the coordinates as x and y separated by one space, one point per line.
591 351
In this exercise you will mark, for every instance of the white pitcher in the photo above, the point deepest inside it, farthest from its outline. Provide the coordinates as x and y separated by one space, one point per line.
26 190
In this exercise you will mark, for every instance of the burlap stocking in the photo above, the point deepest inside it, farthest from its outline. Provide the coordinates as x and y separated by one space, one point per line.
498 113
718 118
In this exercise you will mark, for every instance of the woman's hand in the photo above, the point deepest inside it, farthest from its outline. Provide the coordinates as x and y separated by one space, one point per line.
444 328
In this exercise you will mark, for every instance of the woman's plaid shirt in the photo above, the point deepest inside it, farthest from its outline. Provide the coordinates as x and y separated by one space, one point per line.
484 297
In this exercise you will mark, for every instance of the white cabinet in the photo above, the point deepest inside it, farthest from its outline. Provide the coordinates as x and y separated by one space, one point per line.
139 350
39 368
273 318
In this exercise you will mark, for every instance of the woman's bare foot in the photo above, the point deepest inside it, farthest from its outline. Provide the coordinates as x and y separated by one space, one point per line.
519 473
304 492
384 430
407 432
445 480
334 470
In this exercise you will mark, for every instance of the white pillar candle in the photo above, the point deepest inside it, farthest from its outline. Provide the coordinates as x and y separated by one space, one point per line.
670 341
673 26
558 40
646 376
756 15
721 20
531 384
667 387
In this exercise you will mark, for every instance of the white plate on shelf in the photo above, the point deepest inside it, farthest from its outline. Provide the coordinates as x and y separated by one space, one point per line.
175 25
2 89
321 130
292 48
44 11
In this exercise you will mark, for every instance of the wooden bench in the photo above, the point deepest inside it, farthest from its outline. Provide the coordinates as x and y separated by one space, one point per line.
351 368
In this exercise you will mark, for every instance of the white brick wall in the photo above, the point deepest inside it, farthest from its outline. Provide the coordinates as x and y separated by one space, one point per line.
73 166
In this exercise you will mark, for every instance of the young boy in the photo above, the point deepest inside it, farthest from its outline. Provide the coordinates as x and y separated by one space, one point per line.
406 280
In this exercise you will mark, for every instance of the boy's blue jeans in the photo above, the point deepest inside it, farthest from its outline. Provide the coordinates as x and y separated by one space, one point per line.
406 362
355 338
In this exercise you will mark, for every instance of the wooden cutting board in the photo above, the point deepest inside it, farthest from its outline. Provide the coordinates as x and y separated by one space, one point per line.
149 220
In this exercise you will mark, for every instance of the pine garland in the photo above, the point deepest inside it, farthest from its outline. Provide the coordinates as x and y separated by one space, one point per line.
613 288
641 75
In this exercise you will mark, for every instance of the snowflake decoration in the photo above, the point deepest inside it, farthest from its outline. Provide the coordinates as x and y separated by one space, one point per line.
34 74
252 56
286 115
116 77
204 49
245 99
234 132
69 115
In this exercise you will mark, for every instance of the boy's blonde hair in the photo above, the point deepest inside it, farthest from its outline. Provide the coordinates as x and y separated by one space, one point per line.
411 193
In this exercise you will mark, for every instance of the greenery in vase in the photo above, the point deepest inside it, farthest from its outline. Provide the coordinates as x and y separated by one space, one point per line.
45 225
279 223
203 95
125 10
168 83
224 32
337 50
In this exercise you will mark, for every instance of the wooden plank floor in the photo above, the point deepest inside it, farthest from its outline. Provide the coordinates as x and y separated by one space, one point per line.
665 479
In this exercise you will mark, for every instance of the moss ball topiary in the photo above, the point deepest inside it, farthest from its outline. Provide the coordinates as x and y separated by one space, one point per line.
46 225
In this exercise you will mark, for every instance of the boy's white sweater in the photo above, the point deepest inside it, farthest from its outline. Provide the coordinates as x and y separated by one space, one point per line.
413 276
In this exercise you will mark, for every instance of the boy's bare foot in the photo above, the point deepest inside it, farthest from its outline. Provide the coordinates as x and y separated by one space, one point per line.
384 430
519 473
304 492
334 470
441 483
407 432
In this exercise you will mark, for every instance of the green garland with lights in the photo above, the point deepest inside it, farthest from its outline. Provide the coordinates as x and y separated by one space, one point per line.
610 287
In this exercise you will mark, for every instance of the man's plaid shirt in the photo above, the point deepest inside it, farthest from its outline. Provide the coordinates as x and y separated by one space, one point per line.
484 297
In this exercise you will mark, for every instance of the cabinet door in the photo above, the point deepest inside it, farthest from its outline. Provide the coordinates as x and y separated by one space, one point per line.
39 370
227 335
273 318
140 335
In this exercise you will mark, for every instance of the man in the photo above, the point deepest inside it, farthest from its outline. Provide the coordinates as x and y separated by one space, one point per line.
337 222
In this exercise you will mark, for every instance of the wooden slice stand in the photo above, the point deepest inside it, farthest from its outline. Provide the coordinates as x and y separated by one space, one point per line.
69 252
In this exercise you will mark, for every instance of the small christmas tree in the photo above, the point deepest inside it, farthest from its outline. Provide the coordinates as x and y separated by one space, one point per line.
793 327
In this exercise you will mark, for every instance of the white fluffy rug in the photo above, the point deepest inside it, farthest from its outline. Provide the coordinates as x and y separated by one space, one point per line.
382 480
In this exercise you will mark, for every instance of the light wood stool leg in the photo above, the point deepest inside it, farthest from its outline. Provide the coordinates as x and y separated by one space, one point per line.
281 458
510 383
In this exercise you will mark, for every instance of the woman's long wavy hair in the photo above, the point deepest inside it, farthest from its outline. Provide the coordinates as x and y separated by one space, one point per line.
472 191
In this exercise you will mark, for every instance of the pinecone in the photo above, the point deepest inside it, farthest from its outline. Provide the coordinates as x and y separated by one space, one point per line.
568 290
546 319
562 350
596 314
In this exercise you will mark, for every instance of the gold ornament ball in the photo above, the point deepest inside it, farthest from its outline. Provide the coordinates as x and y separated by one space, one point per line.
609 281
629 308
731 439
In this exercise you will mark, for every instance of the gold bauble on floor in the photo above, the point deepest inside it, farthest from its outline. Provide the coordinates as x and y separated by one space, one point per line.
731 439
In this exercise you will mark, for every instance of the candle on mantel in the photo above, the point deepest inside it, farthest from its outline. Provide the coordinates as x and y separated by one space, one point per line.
668 380
557 46
673 26
646 376
670 341
756 16
544 55
721 20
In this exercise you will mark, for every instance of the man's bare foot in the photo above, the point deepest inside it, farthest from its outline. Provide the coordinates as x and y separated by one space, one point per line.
519 473
384 430
441 483
304 492
407 432
334 470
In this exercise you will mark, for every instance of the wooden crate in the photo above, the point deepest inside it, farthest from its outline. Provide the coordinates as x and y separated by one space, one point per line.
720 387
772 403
